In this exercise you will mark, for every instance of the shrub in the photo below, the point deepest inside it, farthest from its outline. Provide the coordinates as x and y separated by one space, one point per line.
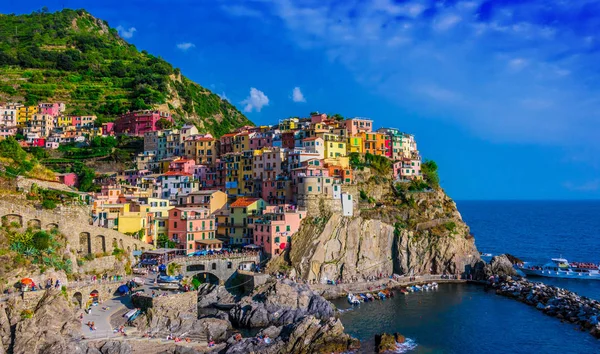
363 195
41 240
25 314
89 257
48 204
450 226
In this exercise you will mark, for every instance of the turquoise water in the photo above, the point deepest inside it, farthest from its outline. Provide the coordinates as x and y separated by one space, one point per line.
466 319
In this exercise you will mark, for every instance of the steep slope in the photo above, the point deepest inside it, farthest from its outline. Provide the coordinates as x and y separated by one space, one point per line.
72 57
392 231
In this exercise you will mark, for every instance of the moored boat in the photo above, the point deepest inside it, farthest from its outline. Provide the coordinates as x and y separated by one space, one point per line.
352 299
561 268
168 286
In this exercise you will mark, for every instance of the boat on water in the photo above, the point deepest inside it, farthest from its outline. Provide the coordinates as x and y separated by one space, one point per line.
353 299
561 268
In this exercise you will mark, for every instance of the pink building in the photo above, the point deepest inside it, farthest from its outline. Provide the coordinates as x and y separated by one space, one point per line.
277 192
407 169
6 131
268 163
358 125
183 165
108 128
193 228
260 140
140 122
318 118
388 147
69 179
83 121
53 109
273 230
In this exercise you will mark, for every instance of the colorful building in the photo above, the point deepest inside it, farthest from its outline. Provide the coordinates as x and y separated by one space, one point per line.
193 229
274 228
240 224
138 123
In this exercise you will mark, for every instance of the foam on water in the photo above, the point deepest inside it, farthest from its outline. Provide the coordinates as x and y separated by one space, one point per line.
408 345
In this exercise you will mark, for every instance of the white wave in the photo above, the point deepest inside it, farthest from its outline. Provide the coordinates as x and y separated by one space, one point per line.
408 345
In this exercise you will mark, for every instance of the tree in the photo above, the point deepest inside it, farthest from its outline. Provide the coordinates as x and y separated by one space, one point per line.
430 172
164 124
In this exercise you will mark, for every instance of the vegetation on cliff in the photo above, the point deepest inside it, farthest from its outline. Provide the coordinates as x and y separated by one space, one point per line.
72 57
15 161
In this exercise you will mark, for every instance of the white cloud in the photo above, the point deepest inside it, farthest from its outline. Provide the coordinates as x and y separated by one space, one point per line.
126 33
297 95
517 64
223 96
255 101
446 22
185 46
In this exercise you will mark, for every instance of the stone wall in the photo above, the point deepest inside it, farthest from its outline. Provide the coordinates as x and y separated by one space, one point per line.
101 265
74 223
250 280
221 267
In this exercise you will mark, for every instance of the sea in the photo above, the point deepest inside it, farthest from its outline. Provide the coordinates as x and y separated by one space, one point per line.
461 318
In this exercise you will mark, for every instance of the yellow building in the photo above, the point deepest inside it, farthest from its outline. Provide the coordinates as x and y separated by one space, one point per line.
355 144
25 113
239 229
146 217
289 124
241 142
335 146
212 200
63 121
201 148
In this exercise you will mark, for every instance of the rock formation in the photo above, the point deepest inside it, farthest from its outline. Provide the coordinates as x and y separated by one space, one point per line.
560 303
308 335
279 303
402 232
500 265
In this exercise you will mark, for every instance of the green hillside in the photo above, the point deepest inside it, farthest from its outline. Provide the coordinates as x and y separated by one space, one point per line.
72 57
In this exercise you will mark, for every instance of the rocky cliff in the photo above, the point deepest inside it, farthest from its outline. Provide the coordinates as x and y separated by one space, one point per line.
393 230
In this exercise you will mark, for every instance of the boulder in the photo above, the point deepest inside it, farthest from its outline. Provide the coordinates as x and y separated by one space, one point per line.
279 302
501 265
385 343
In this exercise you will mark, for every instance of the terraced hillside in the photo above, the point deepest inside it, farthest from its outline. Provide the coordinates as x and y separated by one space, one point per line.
73 57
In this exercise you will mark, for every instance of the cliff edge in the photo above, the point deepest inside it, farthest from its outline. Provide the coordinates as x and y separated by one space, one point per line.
393 230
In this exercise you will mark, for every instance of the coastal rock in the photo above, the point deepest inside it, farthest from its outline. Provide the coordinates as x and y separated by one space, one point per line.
53 324
309 335
556 302
385 343
278 303
210 294
412 233
501 265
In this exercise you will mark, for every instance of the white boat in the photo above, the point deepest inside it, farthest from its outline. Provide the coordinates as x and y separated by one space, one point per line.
434 284
352 299
561 268
168 286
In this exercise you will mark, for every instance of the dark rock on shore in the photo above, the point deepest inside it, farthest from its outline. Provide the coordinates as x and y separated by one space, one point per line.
308 335
556 302
500 265
279 303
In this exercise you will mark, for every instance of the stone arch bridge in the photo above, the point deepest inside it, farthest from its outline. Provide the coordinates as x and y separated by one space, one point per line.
221 267
74 224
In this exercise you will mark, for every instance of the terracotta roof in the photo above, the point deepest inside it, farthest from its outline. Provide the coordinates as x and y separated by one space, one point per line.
313 138
228 135
244 202
182 161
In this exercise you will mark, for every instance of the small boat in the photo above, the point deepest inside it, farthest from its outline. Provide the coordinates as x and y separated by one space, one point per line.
486 254
435 285
139 281
364 297
352 299
168 286
417 288
140 271
168 279
370 297
404 291
381 295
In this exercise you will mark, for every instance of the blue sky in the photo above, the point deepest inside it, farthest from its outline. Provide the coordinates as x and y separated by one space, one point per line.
504 95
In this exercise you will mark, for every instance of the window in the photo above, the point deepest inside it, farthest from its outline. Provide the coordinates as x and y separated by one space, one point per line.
276 239
309 189
175 224
349 197
276 228
288 228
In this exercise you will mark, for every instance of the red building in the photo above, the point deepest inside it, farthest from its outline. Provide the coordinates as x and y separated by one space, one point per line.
140 122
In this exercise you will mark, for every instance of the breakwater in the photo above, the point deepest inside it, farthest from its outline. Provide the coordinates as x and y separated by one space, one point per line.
553 301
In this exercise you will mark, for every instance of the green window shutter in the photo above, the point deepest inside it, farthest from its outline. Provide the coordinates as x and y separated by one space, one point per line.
276 228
